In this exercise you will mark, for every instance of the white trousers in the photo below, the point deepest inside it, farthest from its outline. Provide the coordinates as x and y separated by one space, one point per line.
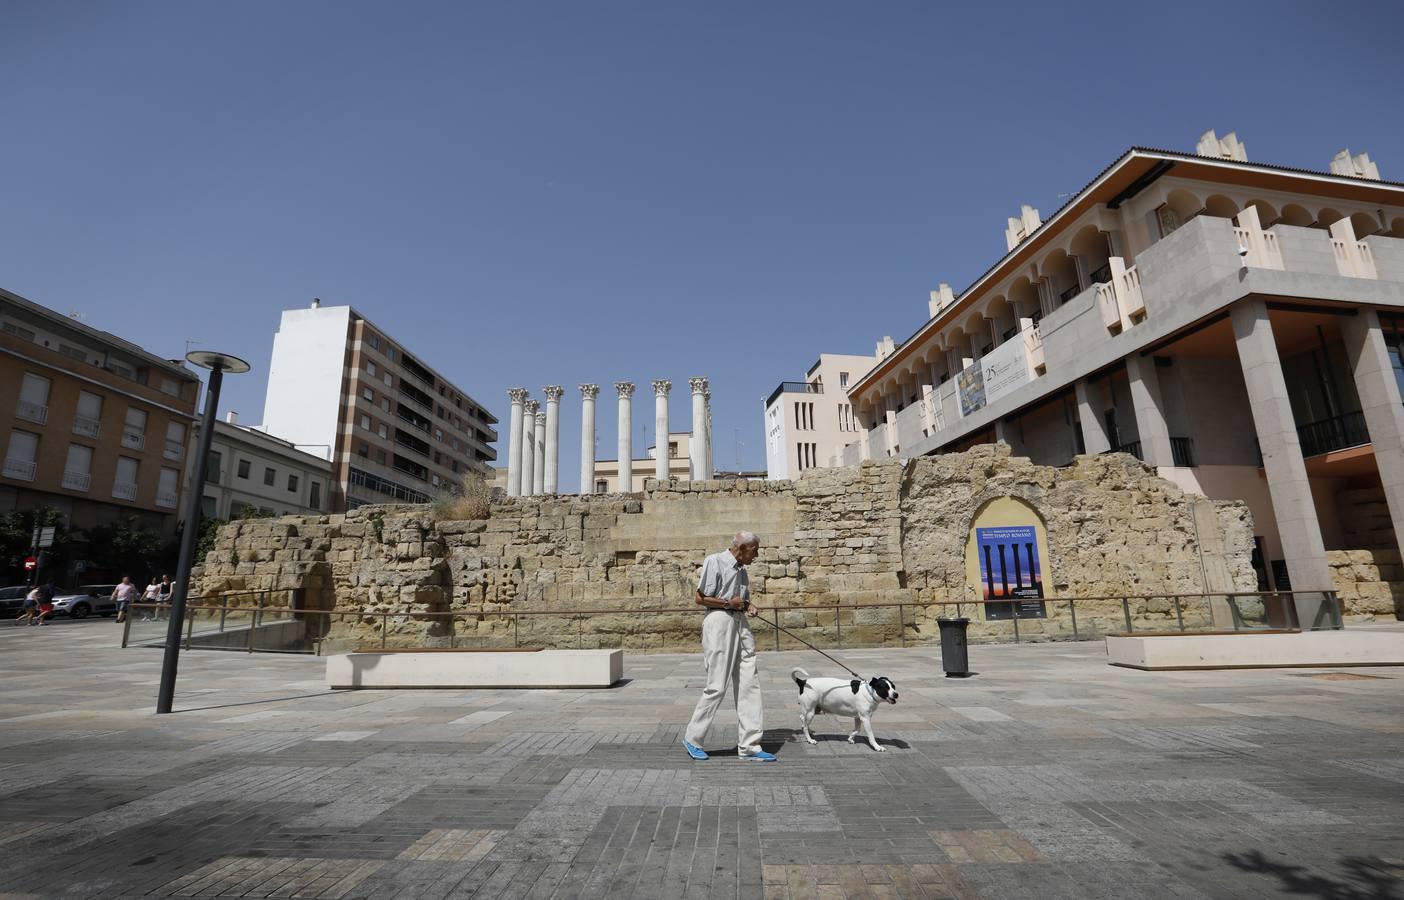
729 654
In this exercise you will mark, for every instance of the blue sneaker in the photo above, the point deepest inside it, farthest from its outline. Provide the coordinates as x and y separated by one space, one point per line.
762 756
695 752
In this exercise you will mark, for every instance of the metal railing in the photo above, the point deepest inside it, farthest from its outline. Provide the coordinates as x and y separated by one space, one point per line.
87 425
20 469
37 413
1335 433
133 440
77 481
1182 452
794 387
1131 447
277 621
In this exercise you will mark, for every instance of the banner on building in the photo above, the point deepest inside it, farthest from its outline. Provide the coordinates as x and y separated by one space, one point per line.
1011 572
970 384
1005 368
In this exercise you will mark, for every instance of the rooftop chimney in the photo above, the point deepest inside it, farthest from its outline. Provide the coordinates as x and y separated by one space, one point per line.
231 417
1357 166
1019 229
316 302
1227 147
941 298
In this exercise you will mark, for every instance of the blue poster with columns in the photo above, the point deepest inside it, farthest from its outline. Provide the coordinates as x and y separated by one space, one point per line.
1011 574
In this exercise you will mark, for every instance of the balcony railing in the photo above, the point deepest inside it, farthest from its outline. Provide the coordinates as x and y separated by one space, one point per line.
174 450
794 387
133 440
167 499
124 490
32 412
1262 249
1335 433
1132 447
1182 452
77 481
86 425
19 469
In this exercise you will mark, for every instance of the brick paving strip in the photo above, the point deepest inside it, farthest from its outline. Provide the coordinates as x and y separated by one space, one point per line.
1048 775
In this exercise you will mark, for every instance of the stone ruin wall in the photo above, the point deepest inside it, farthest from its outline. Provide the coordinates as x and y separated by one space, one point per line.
883 532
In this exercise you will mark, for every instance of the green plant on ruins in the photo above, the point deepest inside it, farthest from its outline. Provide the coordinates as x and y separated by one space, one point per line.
471 498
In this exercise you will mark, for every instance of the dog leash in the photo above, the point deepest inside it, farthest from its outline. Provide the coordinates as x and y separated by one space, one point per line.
779 627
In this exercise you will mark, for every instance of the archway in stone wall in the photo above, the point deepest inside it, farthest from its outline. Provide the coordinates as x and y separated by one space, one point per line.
1007 560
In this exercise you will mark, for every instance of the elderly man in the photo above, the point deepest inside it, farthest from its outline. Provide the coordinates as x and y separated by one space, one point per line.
729 649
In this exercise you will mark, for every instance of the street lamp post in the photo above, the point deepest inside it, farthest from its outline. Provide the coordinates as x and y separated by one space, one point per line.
218 364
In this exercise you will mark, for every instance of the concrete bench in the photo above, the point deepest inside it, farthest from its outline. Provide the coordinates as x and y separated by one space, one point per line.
1256 650
475 668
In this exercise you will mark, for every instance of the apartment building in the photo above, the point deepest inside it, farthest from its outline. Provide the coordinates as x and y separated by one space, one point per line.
94 426
808 423
1237 325
252 472
394 429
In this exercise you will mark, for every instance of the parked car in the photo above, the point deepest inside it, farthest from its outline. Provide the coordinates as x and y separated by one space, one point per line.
12 599
86 600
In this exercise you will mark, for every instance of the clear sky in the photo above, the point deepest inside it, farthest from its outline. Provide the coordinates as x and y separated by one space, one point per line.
532 193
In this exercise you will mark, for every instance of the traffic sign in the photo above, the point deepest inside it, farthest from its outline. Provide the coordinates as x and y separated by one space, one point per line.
30 563
46 537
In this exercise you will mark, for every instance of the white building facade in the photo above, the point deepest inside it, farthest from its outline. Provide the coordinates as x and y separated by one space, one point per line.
250 471
808 423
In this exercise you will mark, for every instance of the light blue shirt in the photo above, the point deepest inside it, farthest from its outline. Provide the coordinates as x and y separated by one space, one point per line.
724 578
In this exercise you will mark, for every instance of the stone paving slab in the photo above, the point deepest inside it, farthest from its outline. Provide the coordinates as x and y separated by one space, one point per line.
1050 774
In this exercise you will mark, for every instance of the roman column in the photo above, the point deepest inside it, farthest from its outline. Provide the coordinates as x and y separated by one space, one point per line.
538 470
626 435
697 450
553 437
514 449
588 393
660 428
707 469
528 446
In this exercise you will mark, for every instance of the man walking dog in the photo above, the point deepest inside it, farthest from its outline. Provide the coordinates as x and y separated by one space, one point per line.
729 649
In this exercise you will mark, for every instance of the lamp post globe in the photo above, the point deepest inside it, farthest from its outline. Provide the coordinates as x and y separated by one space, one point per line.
218 364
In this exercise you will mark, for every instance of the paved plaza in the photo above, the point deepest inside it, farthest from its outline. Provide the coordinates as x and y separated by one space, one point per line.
1048 775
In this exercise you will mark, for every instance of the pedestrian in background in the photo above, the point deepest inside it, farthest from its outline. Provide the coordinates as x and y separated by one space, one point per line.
163 596
46 602
151 595
31 607
123 594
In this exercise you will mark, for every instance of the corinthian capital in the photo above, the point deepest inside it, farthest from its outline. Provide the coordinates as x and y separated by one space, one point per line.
698 385
530 407
589 391
625 388
553 391
517 395
661 388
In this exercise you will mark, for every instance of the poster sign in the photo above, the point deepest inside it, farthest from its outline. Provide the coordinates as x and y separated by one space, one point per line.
1005 368
970 383
1011 573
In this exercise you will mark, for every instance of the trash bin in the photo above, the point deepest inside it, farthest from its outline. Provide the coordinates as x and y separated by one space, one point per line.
954 657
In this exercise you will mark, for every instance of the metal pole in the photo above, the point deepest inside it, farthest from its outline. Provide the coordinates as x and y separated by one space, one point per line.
1072 608
171 661
1015 608
1178 617
1126 611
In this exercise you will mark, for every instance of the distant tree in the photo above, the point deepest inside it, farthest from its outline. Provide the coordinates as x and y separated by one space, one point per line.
17 539
125 547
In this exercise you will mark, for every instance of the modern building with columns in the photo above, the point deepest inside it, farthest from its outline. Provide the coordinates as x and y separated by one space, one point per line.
534 458
1239 326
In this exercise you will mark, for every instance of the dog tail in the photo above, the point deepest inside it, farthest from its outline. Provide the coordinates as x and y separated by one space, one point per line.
800 676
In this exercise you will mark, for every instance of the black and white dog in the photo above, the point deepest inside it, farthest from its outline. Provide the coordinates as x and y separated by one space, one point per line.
843 697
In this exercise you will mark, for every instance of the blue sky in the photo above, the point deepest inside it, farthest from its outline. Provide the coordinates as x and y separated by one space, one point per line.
534 193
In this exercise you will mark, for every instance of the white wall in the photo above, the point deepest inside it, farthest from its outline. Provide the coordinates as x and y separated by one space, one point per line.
777 446
303 401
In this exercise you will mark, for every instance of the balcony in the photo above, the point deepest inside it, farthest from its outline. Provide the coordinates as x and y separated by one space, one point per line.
1335 433
86 426
1033 346
174 450
1262 248
166 499
1182 452
19 469
1119 300
124 490
1353 257
76 481
133 440
794 387
32 412
1131 447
